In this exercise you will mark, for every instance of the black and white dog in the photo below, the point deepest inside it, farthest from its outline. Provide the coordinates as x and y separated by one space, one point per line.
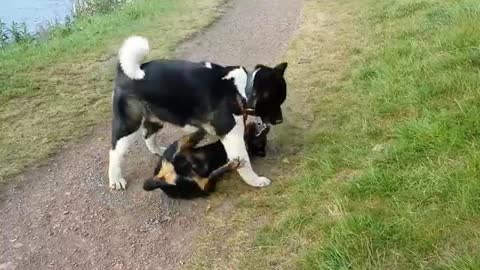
193 96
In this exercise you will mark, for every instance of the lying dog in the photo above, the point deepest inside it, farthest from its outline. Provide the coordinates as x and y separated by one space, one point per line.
186 172
191 95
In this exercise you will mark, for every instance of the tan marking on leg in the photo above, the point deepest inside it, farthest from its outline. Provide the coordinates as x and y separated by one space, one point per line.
187 142
167 173
203 183
171 178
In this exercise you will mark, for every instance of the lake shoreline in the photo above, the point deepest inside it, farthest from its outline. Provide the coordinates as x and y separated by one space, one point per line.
36 15
19 32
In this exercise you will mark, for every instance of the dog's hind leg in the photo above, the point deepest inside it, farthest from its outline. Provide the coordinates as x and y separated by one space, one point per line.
230 166
235 147
208 183
120 146
187 142
125 128
150 131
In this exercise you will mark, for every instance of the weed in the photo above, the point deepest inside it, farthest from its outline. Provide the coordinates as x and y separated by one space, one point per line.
15 33
3 34
83 8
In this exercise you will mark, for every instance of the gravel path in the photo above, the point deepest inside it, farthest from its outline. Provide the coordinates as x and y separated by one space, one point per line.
63 216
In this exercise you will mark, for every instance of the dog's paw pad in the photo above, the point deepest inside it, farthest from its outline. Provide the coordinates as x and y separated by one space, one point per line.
118 184
261 182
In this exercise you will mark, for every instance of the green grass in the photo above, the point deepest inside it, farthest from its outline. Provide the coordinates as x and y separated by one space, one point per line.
55 91
390 173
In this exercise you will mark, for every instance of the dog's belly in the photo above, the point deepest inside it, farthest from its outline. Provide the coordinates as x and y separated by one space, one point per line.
188 124
207 158
216 122
190 128
207 127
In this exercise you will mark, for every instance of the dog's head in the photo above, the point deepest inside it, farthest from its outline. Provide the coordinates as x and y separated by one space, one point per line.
256 138
270 91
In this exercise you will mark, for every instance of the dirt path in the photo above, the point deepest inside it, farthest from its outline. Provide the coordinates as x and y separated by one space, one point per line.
63 216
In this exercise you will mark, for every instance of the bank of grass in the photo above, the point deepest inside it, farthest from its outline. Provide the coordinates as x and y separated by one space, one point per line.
391 168
53 92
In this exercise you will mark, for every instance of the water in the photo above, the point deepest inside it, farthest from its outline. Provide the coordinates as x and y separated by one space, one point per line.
34 13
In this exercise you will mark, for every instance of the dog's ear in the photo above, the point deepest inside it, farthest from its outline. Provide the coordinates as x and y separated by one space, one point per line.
259 66
280 68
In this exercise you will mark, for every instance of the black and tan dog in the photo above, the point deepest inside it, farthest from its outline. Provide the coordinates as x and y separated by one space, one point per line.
194 96
186 171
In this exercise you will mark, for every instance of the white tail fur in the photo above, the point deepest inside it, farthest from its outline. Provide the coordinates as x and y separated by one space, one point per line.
131 54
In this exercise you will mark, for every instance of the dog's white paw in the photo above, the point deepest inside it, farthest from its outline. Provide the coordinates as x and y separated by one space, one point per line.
261 182
118 184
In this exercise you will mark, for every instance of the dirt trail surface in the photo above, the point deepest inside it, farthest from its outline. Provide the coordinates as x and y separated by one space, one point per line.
63 215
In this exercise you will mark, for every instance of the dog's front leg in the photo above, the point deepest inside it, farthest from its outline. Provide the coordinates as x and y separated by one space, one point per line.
236 150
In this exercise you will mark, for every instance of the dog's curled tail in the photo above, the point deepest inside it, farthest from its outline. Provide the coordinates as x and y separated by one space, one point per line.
131 54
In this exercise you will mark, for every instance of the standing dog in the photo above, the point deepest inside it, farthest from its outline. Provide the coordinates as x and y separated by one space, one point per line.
193 96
